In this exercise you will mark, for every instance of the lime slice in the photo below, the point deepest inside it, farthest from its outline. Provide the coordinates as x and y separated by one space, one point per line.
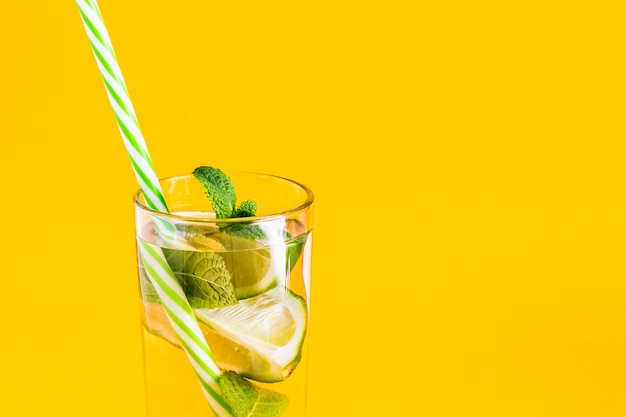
261 337
294 250
253 268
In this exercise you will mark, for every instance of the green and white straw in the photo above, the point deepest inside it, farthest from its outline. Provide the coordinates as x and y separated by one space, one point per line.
175 303
184 323
120 101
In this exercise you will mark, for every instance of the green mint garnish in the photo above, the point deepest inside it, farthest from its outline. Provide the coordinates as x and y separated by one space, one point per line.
219 188
203 277
246 209
221 191
247 231
249 400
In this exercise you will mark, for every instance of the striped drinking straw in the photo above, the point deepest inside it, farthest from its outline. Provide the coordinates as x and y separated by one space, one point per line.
173 299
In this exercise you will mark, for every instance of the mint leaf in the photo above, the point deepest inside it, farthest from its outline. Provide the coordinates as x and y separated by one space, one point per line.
247 231
249 400
246 209
221 191
219 188
203 276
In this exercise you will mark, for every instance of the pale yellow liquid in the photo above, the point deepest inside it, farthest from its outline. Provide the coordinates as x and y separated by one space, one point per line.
172 388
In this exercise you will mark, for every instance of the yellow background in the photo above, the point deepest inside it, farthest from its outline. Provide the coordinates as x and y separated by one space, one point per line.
469 163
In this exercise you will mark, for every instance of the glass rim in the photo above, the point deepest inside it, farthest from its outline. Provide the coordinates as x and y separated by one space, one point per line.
269 217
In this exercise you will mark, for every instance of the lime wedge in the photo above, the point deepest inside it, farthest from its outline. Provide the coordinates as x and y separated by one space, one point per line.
260 337
254 266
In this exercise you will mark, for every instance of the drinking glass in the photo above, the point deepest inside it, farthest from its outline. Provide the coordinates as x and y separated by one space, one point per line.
259 266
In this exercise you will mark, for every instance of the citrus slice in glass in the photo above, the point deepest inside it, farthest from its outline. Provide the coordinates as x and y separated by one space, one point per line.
260 337
254 265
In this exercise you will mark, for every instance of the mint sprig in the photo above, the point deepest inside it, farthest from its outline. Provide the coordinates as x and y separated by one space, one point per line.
246 209
203 277
249 400
221 191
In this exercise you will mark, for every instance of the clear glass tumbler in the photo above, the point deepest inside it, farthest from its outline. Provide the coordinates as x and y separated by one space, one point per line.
264 268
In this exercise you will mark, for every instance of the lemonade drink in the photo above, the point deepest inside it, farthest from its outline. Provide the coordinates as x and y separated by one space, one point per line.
248 282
